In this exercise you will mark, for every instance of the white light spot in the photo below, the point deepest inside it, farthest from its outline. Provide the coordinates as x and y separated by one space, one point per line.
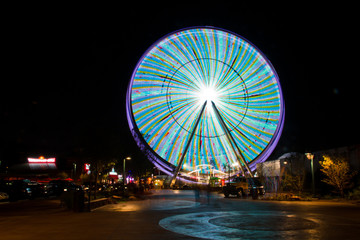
207 94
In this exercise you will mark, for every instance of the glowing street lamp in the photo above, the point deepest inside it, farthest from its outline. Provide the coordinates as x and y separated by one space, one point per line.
310 156
124 177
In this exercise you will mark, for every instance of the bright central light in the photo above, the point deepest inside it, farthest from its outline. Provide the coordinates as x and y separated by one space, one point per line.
207 94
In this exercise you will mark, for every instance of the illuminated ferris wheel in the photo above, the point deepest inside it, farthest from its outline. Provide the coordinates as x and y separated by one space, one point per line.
203 100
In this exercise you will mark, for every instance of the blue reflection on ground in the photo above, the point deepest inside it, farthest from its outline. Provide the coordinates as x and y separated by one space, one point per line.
242 225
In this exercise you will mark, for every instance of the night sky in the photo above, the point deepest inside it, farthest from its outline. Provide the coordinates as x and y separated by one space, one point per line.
66 72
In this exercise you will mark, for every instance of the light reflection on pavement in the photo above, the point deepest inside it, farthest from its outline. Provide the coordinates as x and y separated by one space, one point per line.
214 217
151 205
160 200
242 225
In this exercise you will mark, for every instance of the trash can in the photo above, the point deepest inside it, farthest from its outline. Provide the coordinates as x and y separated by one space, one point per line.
254 193
79 198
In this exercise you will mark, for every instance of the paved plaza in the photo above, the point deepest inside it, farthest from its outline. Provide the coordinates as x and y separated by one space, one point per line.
175 214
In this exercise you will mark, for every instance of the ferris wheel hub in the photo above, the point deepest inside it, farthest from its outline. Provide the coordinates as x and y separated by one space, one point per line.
207 94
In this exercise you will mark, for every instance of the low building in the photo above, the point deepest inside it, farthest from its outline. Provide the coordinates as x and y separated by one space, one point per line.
272 171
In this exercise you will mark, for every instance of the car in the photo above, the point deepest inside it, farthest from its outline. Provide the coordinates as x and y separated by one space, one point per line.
36 190
242 187
15 189
57 187
5 186
186 187
4 196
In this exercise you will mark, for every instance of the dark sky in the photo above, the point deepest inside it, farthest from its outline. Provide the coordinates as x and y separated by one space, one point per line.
67 70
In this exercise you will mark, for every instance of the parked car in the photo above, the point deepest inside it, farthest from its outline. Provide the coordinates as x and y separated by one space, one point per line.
16 190
186 187
57 187
4 196
36 190
5 186
242 186
4 190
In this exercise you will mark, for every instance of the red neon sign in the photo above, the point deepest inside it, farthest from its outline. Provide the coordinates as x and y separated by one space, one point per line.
87 168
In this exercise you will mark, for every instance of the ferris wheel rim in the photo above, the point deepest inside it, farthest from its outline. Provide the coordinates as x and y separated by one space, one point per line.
159 161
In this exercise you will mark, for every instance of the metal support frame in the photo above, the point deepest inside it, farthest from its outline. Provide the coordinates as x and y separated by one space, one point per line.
177 169
237 151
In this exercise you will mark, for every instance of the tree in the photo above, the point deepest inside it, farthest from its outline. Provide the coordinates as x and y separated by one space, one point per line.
294 173
337 172
63 175
294 181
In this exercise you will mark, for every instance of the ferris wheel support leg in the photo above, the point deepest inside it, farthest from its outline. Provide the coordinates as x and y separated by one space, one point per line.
238 153
177 169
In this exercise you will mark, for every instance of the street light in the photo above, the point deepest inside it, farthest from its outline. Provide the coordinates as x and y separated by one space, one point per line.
310 156
74 171
124 177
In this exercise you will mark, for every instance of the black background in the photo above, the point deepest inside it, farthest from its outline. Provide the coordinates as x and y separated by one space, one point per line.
66 71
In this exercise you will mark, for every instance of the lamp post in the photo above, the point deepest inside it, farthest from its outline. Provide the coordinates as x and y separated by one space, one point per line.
74 176
310 156
124 177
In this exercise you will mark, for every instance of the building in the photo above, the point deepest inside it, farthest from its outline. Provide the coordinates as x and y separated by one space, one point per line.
272 171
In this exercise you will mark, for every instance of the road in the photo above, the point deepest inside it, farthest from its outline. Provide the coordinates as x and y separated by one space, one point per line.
174 214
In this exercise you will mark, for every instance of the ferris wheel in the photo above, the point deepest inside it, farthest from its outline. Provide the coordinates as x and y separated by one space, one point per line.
205 96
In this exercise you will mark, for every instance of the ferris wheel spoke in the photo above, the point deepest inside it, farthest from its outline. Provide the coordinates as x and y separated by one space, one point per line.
191 136
240 158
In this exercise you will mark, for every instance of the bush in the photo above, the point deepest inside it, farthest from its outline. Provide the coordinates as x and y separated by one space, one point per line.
354 194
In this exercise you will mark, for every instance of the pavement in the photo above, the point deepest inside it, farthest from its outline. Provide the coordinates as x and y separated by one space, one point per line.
177 214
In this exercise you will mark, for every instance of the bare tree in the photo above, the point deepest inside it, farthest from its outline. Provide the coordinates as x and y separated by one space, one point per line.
294 181
294 174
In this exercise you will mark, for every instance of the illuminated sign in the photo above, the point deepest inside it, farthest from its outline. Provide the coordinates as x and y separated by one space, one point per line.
113 172
42 163
41 160
87 168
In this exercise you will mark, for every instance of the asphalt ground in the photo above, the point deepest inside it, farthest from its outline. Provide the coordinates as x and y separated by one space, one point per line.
174 214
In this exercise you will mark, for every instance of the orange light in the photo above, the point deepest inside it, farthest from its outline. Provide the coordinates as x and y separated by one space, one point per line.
42 157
